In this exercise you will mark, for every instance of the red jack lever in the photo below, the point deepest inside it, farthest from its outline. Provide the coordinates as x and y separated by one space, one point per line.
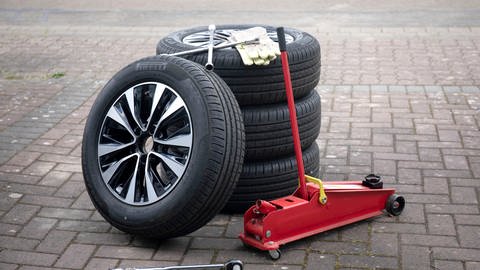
302 188
267 225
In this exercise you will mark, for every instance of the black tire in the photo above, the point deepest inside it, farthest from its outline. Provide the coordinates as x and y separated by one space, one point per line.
214 160
256 84
271 179
268 131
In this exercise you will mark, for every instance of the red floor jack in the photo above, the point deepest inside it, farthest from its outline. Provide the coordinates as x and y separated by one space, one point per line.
315 206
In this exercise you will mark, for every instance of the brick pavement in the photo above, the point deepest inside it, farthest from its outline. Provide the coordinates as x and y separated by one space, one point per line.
402 102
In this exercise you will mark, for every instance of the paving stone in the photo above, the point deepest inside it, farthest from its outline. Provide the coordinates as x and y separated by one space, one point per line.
339 247
462 254
75 256
20 214
448 265
441 224
415 257
384 244
56 241
464 195
215 243
98 263
172 249
103 238
472 265
324 261
429 240
469 236
37 228
122 252
39 168
83 226
436 185
368 261
9 242
24 257
64 213
55 178
198 256
456 162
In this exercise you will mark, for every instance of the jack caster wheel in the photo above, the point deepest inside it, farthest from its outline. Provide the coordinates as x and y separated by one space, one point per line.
395 204
275 254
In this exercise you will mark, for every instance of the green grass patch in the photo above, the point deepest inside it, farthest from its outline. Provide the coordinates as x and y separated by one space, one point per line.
57 75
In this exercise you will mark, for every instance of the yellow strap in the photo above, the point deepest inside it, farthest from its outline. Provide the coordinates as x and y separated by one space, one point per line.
322 198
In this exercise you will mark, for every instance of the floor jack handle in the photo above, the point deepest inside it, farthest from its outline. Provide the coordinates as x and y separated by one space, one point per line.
302 188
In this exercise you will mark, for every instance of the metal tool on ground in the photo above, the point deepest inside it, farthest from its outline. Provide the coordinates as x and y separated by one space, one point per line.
315 206
209 64
230 265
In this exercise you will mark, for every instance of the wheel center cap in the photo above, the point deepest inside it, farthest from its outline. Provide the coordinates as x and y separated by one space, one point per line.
148 145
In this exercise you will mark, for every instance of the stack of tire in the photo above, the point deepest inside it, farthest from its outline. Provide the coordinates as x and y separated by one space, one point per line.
269 169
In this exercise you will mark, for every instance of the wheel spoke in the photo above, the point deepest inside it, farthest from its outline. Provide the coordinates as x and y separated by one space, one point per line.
107 175
120 118
184 140
176 105
131 105
104 149
152 195
159 89
176 167
130 198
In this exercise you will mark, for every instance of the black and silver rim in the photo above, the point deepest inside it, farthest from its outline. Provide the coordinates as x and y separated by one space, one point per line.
144 144
201 39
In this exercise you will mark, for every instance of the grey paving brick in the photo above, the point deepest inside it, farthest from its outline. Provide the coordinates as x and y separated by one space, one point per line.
462 254
399 228
467 219
83 226
9 229
456 162
415 257
20 214
99 263
448 265
436 185
64 213
46 201
215 243
29 258
199 256
8 266
368 261
37 228
441 224
429 240
355 232
409 176
75 256
384 244
451 209
339 247
55 242
413 213
103 238
465 195
122 252
172 249
131 263
9 242
324 261
469 236
55 178
472 265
